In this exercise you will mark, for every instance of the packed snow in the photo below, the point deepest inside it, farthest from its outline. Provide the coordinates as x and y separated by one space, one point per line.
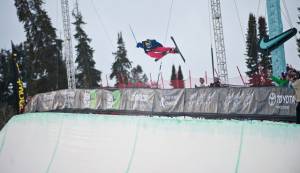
64 142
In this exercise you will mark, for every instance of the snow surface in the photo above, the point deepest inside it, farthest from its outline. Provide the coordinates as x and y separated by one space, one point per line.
70 143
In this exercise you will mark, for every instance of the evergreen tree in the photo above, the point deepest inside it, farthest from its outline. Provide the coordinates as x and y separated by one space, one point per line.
7 76
252 51
137 75
145 78
4 77
86 74
180 75
46 69
120 68
173 77
265 61
138 78
7 97
180 78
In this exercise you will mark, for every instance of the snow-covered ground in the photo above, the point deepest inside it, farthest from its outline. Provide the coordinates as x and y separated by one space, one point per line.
70 143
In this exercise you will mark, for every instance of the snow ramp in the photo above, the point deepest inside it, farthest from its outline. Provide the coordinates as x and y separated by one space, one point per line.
71 143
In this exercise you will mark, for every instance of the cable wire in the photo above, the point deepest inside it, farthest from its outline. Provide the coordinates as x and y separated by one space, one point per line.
238 15
288 18
288 14
168 24
166 35
258 7
101 22
209 21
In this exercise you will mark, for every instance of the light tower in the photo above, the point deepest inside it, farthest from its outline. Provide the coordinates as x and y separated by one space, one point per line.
219 40
68 53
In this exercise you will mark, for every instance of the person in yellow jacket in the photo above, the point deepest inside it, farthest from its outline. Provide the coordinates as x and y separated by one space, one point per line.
296 85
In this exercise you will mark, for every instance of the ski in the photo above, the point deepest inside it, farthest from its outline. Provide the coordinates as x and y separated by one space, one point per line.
177 48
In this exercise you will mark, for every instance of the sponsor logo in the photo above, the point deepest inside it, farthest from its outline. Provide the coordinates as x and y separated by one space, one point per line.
21 95
139 98
270 44
141 101
113 99
275 99
167 101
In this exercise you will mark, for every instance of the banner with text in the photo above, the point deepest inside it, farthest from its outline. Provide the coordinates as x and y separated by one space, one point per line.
223 101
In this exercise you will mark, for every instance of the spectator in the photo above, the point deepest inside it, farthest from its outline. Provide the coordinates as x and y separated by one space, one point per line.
216 82
281 82
201 80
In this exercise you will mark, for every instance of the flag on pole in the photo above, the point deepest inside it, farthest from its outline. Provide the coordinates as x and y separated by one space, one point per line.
17 82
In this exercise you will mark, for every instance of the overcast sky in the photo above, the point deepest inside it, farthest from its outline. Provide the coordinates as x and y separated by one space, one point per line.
189 24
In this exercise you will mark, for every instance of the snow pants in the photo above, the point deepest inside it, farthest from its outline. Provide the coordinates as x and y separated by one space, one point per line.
159 52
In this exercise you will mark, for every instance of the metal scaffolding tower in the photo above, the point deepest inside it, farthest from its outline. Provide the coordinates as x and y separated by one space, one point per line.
68 53
219 40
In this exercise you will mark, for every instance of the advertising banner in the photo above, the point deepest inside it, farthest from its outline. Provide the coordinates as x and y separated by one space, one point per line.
237 101
111 99
32 106
223 101
202 100
46 101
66 99
281 101
171 100
89 99
137 99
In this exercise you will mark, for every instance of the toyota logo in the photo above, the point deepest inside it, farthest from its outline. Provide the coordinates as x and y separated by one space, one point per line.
272 99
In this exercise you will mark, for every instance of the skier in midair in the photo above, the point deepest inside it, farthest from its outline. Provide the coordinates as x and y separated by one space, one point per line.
155 49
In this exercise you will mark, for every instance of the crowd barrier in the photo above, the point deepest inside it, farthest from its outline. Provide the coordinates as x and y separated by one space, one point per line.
246 102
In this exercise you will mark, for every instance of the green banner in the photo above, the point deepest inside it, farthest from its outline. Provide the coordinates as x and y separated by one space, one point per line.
93 99
116 99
